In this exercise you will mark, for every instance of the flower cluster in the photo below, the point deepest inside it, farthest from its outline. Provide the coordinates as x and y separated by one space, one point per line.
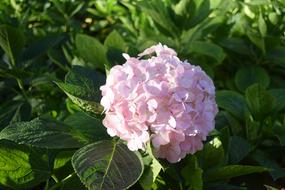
160 99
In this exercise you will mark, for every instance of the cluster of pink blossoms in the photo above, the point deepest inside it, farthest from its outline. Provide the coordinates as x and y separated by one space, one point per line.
160 99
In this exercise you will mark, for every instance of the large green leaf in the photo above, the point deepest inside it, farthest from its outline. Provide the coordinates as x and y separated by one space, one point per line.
250 75
91 50
14 111
191 12
82 86
212 154
151 170
21 166
260 102
276 55
209 49
40 132
161 15
115 40
256 39
279 95
12 40
237 45
41 46
232 102
107 165
262 26
279 132
192 174
239 148
230 171
274 169
116 46
86 128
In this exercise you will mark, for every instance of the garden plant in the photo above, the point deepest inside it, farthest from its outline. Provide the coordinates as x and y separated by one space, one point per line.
142 94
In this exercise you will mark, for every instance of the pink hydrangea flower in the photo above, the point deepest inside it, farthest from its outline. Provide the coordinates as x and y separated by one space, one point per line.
160 99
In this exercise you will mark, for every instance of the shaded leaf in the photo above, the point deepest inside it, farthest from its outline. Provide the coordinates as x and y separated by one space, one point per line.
91 50
192 174
233 102
115 40
262 26
212 154
209 49
247 76
151 171
279 95
230 171
279 132
276 55
107 165
237 45
41 46
42 133
239 148
274 169
86 128
82 86
21 166
12 40
259 101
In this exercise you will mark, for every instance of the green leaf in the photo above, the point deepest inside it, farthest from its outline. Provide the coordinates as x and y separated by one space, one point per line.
12 41
151 171
276 55
91 50
257 40
270 187
42 133
192 174
73 183
21 166
232 102
41 46
230 171
107 165
86 128
160 14
274 169
62 158
212 154
260 102
279 95
237 45
14 111
262 26
115 40
247 76
189 13
252 129
81 97
279 132
239 148
115 46
273 18
209 49
82 86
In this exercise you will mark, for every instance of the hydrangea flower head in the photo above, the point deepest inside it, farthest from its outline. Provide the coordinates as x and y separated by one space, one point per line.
162 100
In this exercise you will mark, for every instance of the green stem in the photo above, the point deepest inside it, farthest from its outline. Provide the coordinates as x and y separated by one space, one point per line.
47 184
57 185
21 86
55 178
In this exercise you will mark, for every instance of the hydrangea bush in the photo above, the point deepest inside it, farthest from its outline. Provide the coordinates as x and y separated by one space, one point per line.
159 99
157 110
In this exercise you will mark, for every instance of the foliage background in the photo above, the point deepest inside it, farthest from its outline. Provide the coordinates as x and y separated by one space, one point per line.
239 43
